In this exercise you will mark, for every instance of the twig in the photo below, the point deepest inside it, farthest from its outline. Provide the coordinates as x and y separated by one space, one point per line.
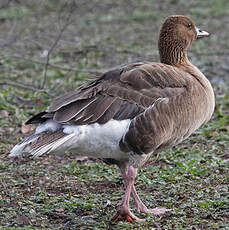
67 23
41 46
91 71
6 4
49 37
4 185
20 85
9 42
12 37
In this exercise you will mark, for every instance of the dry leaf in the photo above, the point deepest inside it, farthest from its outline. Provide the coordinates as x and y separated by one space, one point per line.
81 158
59 209
23 219
27 128
4 113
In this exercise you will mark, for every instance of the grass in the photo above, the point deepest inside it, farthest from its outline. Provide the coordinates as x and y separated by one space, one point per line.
61 192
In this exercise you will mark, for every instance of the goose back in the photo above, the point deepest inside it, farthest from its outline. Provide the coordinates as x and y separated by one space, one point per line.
159 99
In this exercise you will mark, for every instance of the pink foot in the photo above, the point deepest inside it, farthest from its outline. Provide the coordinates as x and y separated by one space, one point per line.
142 208
125 216
155 211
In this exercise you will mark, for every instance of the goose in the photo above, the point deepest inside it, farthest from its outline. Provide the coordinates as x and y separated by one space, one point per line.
130 113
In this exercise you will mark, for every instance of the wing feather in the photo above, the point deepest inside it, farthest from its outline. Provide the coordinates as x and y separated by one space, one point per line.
119 94
68 112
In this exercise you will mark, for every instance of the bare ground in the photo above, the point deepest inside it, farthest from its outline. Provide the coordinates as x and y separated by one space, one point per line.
50 47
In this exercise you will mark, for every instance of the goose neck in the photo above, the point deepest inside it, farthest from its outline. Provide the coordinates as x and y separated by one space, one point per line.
173 53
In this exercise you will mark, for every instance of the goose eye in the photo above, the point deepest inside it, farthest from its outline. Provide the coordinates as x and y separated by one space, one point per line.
189 25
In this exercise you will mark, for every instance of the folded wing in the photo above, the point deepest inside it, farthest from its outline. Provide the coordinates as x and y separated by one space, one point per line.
119 94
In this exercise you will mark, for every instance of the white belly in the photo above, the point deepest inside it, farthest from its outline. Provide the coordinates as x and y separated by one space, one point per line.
99 141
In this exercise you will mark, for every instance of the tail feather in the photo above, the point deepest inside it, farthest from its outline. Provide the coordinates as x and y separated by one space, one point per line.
23 147
41 143
52 147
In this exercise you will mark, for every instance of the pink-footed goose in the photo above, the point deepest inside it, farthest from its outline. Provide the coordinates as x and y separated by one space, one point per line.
131 112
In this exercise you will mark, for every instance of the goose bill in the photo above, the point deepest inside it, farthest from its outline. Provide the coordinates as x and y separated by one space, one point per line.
201 33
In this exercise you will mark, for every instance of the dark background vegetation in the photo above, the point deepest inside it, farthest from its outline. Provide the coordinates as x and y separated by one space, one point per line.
50 47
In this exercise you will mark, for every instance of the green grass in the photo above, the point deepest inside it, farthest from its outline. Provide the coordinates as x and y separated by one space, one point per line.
59 192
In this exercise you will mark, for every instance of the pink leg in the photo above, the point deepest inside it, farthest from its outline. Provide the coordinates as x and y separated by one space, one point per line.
124 209
142 208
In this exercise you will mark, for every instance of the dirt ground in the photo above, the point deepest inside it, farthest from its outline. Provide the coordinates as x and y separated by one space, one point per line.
51 47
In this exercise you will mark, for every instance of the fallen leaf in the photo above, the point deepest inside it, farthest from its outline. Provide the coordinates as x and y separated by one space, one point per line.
39 102
85 213
4 113
23 219
59 209
81 158
107 203
27 128
225 156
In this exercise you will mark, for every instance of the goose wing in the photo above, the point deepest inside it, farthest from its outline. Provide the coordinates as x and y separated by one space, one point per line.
119 94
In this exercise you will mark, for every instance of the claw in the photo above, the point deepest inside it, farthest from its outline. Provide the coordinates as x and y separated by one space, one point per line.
117 217
129 217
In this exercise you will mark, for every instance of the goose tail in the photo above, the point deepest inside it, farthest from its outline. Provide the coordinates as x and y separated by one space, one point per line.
48 137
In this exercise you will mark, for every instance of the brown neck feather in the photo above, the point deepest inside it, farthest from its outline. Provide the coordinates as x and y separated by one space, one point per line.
172 51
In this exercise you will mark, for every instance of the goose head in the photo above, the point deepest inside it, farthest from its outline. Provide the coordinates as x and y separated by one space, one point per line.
176 35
